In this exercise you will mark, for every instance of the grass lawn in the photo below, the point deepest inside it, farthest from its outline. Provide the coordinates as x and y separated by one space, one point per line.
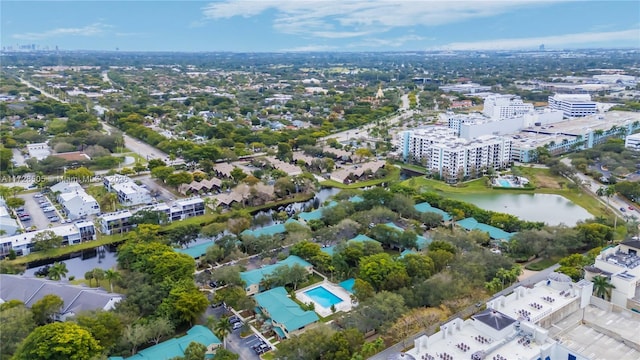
470 187
394 174
313 279
268 356
542 264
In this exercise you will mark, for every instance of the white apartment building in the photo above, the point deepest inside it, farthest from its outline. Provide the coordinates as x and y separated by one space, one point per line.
498 106
452 158
128 192
469 88
621 265
78 204
573 105
554 319
632 141
116 222
75 233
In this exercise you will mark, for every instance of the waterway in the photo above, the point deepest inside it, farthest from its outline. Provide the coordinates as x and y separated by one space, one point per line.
103 258
548 208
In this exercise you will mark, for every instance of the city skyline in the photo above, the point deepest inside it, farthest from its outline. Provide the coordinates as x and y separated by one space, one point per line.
275 26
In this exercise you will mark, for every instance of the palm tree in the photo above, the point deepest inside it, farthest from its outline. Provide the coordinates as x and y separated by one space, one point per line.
58 271
221 329
111 275
602 287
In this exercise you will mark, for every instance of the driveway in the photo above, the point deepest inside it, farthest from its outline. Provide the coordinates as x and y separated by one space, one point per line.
233 341
38 217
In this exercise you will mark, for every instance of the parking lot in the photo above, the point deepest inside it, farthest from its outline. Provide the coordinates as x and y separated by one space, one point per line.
240 346
38 218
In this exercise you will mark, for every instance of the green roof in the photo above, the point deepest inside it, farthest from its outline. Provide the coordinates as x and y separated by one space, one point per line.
284 310
494 232
195 251
175 347
269 230
253 277
426 207
363 238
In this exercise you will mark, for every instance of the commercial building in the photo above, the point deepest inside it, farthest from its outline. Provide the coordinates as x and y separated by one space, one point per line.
128 192
75 233
621 266
76 298
452 158
286 316
500 106
632 142
573 105
39 151
553 319
469 88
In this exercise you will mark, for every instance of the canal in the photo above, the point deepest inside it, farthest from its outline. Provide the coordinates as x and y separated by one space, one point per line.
79 263
548 208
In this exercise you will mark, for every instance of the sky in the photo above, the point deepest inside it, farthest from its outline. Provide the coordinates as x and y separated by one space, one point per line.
319 25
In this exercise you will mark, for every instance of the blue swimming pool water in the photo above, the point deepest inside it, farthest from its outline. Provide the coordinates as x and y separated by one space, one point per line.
504 183
323 296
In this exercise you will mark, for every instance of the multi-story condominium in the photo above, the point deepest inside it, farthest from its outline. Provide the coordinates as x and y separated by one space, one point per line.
621 266
186 208
452 158
573 105
116 222
71 234
76 203
499 106
128 192
552 319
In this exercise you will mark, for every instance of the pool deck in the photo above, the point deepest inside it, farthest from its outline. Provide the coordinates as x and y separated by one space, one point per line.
345 305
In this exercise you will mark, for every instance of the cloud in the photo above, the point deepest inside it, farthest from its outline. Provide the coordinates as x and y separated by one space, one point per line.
355 18
89 30
393 42
556 41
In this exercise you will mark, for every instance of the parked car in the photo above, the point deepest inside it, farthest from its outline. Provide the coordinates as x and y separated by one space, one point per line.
20 210
623 209
631 208
25 218
38 196
54 219
237 325
234 319
49 209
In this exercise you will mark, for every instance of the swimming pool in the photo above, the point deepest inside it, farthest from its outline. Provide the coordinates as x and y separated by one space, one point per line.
504 183
323 296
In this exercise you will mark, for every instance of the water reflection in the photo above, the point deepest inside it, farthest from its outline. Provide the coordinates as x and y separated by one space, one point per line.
102 257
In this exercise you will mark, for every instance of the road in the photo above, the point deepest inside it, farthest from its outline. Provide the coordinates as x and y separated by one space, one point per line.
43 92
145 150
615 203
403 114
471 309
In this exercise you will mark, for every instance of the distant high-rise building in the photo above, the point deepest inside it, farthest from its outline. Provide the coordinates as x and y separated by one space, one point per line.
541 47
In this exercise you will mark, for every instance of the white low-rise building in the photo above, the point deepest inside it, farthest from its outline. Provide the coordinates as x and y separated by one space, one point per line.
573 105
75 233
116 222
128 192
553 319
39 151
78 204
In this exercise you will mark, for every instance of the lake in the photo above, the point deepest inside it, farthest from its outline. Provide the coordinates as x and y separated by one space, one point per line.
548 208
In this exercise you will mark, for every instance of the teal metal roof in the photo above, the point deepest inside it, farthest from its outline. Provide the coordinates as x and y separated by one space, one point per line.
284 310
329 250
406 252
363 238
311 215
254 277
426 207
356 199
348 285
279 332
269 230
494 232
195 251
423 242
394 226
175 347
